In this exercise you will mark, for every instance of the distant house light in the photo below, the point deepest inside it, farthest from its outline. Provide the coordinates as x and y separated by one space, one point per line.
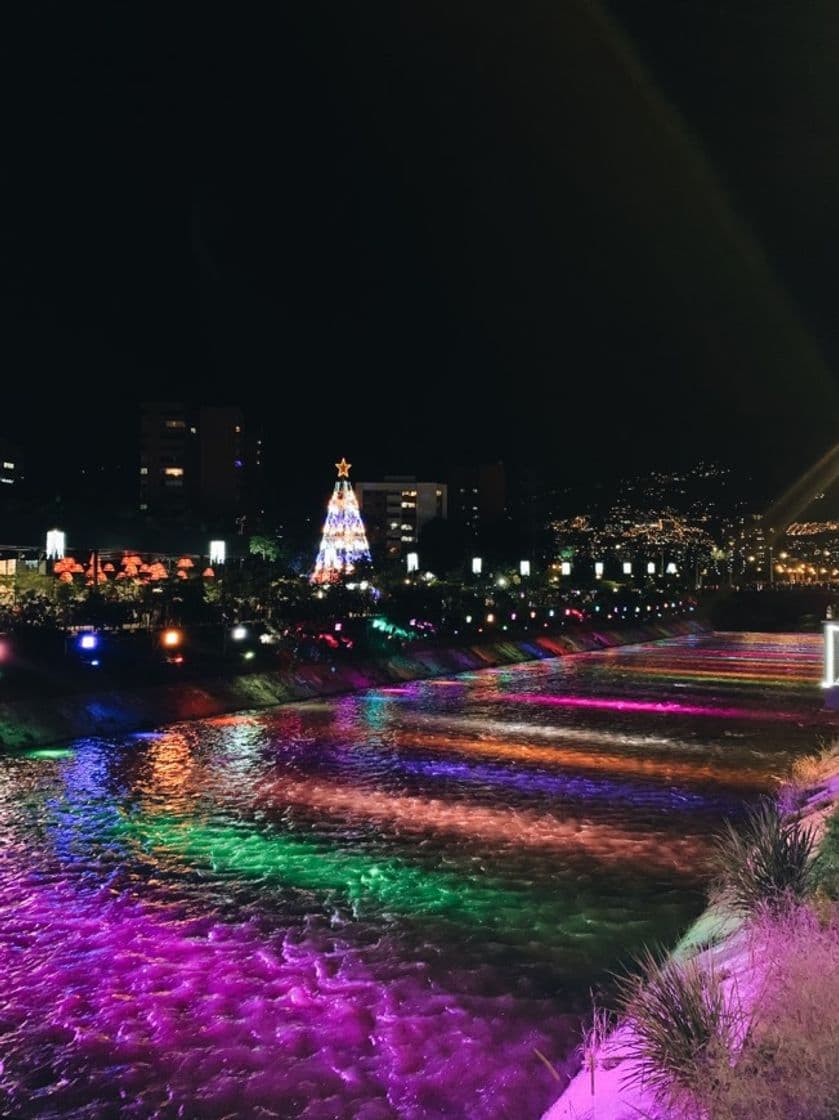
174 472
524 568
565 568
8 466
477 565
218 552
413 561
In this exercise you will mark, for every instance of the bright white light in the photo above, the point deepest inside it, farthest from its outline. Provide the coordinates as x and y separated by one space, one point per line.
363 585
627 568
524 568
831 636
469 618
56 543
671 569
413 561
502 582
238 633
565 568
477 565
598 569
650 568
218 552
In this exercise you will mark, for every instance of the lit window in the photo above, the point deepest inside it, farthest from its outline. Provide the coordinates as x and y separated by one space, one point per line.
174 472
144 505
175 425
8 466
144 470
238 429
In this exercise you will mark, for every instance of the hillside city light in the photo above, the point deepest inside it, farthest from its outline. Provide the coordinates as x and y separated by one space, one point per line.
413 561
56 543
524 568
218 552
598 569
477 565
239 633
627 568
565 568
650 568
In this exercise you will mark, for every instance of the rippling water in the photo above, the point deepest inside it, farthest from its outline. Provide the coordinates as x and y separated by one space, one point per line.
374 907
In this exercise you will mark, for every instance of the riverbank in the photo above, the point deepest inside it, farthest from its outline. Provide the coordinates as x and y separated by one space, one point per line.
775 972
30 722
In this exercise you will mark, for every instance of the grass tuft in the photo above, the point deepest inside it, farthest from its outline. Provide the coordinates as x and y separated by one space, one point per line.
767 864
683 1024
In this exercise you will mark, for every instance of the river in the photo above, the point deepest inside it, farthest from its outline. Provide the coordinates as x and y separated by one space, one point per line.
379 906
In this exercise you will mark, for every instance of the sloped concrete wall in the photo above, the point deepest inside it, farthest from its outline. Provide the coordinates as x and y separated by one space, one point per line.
34 723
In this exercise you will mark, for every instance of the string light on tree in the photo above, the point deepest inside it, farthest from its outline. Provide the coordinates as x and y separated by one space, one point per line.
343 544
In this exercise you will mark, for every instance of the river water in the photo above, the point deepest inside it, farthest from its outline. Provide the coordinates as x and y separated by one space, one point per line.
375 907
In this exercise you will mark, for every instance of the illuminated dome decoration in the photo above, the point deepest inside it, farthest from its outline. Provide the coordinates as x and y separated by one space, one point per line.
344 541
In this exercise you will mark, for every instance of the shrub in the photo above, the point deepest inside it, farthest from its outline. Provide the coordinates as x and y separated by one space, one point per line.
683 1026
769 863
826 865
788 1067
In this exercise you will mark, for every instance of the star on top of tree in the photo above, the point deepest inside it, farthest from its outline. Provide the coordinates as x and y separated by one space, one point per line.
343 468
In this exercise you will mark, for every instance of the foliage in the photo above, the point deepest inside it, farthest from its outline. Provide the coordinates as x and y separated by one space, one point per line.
787 1068
769 863
683 1024
265 547
826 865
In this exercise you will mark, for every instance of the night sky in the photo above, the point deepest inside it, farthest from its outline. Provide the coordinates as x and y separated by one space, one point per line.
582 239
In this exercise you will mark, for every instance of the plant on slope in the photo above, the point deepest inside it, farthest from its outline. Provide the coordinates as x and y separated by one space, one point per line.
769 863
683 1024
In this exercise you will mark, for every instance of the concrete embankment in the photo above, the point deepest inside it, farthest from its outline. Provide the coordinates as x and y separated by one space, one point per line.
31 722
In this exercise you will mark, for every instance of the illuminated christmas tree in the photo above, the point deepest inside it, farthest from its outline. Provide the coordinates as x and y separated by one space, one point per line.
344 541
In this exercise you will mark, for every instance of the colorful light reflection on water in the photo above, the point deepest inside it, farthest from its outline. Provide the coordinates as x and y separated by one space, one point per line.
376 907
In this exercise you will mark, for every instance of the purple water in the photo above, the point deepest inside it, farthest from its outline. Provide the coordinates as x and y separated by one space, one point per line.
179 940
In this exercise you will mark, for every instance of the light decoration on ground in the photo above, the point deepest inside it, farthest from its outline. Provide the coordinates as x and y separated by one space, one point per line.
56 544
343 543
831 654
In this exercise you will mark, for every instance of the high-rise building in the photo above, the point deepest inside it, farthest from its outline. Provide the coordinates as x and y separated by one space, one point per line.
198 460
478 497
11 467
396 510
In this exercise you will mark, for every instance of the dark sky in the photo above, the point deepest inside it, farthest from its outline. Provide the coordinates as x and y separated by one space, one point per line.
589 239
